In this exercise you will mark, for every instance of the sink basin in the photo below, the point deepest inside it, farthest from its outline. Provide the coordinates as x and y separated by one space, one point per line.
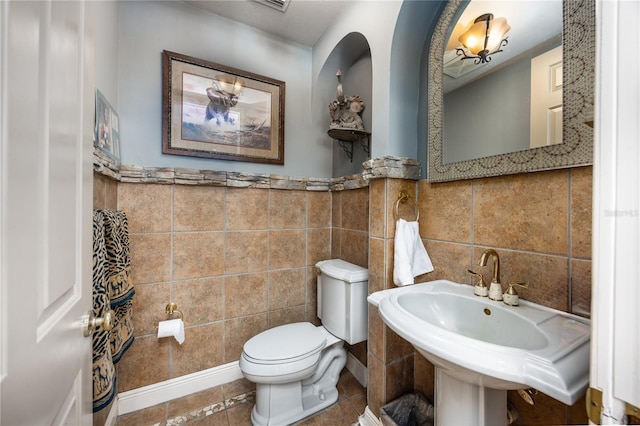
489 345
471 317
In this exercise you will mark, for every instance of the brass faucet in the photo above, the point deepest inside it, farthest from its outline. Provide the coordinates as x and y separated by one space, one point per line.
495 289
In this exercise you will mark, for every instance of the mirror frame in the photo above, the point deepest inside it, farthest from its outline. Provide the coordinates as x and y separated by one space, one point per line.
578 41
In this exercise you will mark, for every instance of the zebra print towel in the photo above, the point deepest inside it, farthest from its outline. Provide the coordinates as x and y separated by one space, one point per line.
112 289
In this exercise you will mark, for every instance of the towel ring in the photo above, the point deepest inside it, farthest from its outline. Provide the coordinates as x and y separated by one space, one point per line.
403 197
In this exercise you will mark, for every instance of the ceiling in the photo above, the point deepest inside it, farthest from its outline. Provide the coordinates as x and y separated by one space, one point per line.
303 22
533 23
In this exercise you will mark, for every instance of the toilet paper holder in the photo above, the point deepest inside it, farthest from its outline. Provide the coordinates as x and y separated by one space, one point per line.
172 309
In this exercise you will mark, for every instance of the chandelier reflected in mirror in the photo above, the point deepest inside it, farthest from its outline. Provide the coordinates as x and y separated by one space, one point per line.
484 38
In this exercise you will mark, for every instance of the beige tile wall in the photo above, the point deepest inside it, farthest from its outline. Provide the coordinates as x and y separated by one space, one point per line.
390 358
236 261
350 232
105 192
350 239
233 259
540 225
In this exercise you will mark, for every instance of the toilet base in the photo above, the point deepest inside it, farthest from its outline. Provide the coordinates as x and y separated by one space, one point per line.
287 403
292 411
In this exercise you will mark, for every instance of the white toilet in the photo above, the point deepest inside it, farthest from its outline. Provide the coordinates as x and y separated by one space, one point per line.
296 367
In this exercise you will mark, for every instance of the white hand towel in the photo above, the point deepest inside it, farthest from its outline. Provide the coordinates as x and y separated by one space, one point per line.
410 256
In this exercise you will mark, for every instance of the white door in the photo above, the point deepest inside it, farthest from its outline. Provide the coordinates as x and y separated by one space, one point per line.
615 345
546 99
46 116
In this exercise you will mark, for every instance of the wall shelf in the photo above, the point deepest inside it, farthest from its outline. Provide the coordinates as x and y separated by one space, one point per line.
346 138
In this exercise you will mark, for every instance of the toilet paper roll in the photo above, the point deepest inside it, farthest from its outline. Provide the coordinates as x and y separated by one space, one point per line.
174 327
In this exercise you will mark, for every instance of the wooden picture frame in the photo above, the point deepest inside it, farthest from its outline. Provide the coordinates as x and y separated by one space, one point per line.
214 111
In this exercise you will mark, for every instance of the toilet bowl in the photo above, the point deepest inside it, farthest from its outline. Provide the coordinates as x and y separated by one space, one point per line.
296 366
294 357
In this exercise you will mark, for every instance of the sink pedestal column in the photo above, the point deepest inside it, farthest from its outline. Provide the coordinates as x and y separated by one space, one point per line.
462 403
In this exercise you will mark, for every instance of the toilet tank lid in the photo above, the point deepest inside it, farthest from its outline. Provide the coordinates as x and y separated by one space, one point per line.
342 270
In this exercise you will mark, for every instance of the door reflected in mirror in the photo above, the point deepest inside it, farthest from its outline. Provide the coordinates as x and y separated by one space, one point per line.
512 101
546 99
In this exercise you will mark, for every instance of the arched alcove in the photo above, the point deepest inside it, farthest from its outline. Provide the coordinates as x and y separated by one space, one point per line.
352 56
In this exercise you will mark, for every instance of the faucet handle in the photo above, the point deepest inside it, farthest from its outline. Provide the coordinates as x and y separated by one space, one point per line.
510 296
480 288
479 276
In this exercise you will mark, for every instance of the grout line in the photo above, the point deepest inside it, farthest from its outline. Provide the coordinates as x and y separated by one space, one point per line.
305 275
171 245
471 227
267 272
171 273
223 315
569 244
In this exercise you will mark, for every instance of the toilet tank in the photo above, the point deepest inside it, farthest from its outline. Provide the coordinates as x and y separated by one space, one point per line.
342 299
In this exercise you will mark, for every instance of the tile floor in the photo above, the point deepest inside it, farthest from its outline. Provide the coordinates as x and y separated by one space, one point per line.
231 404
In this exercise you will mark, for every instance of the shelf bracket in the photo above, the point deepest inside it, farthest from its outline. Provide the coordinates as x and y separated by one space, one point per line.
346 137
347 146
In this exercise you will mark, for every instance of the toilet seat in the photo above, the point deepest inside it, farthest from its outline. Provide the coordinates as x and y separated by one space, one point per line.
285 344
282 354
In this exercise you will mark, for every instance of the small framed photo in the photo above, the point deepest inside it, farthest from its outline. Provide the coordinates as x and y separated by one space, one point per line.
107 131
214 111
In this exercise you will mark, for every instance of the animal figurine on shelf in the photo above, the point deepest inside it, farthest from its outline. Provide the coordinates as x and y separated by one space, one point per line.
346 112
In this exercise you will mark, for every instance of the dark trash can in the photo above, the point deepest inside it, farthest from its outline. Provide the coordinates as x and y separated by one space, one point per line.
409 410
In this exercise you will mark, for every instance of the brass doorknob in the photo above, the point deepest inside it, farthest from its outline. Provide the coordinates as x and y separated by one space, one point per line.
90 323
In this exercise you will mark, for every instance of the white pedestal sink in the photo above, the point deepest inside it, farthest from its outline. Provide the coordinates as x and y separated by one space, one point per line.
483 348
461 403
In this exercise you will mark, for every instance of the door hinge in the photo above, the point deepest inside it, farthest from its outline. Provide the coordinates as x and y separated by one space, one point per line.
594 406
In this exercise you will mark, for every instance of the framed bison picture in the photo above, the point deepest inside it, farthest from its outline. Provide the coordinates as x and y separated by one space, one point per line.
214 111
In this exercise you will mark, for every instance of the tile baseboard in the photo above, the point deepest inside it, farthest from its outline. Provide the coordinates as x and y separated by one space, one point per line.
157 393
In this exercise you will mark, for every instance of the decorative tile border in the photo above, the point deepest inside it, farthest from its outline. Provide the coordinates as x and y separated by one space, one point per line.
391 167
210 409
378 168
104 165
